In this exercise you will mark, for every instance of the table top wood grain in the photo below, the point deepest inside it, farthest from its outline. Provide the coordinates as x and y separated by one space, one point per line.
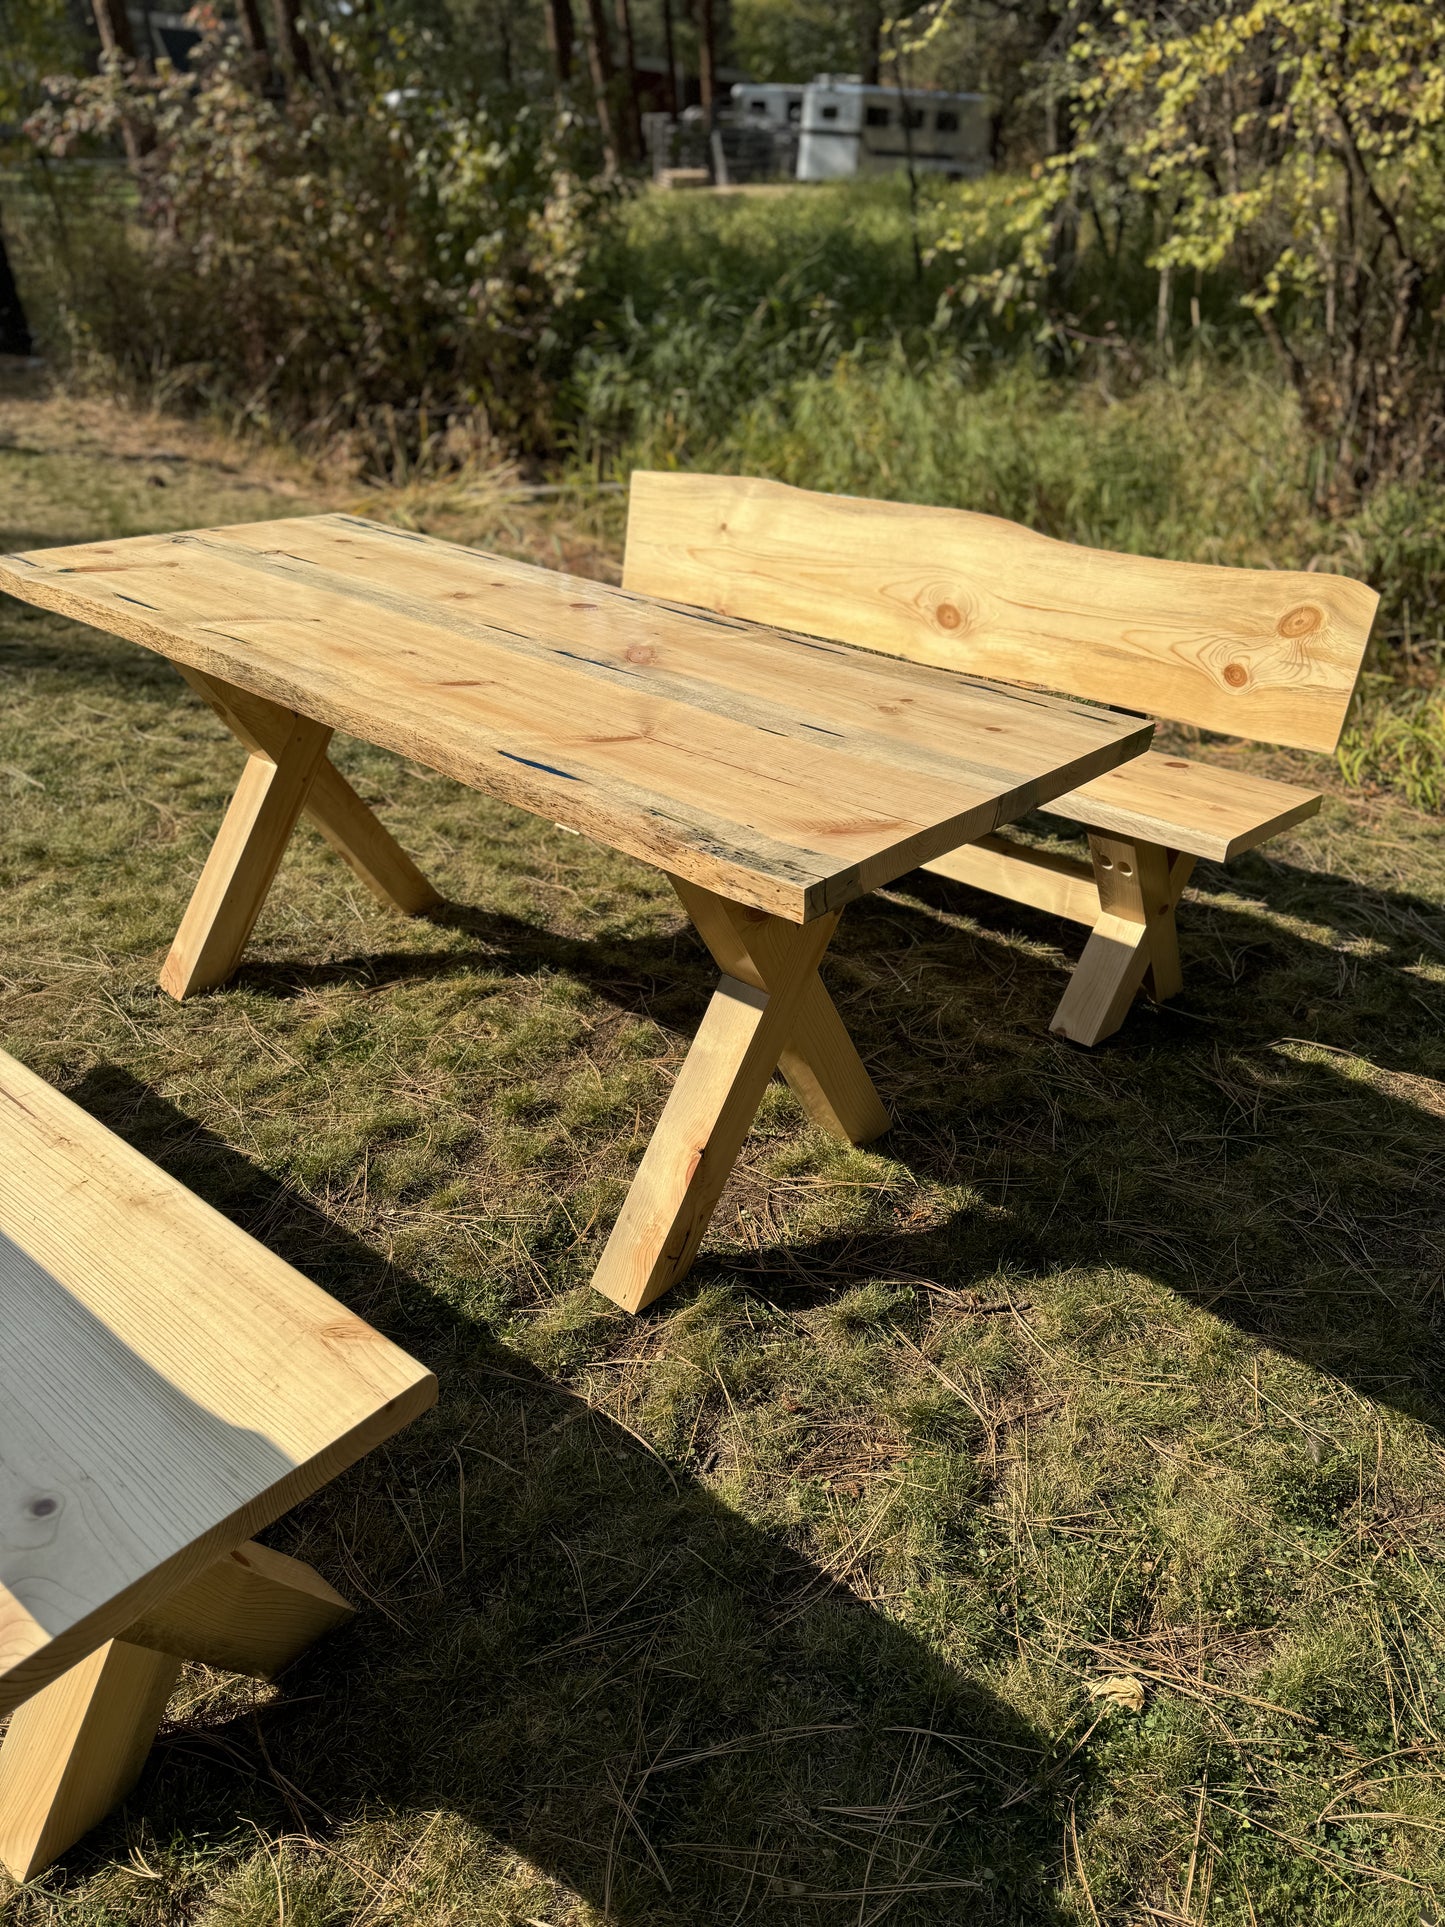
786 773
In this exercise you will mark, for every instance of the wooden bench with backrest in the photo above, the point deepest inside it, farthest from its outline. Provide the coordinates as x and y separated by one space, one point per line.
167 1388
1268 655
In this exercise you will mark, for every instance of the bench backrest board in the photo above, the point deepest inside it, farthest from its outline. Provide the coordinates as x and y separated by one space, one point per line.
167 1385
1272 655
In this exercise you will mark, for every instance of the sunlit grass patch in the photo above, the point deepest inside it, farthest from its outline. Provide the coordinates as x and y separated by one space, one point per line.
799 1598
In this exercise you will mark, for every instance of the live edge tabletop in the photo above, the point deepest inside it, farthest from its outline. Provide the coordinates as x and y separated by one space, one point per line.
765 772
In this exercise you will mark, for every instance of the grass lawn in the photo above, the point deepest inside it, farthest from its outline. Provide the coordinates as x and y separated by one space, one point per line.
798 1599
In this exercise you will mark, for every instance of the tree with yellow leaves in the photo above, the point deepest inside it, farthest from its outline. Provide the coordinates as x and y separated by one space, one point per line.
1297 146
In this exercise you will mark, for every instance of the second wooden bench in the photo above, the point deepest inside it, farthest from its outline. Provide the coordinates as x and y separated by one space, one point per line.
1268 655
167 1388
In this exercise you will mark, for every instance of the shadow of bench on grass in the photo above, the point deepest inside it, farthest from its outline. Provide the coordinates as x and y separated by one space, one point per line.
582 1653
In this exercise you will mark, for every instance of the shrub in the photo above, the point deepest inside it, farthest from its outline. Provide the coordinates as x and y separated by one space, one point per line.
366 260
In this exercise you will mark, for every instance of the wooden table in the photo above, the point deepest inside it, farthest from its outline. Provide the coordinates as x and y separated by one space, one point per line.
773 777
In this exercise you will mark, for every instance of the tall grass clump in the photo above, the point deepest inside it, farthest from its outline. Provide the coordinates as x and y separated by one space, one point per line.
701 308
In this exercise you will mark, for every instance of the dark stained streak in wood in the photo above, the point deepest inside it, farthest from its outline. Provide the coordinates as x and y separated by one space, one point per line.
532 763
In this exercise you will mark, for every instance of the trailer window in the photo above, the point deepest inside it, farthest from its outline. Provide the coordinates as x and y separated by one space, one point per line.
947 122
913 117
875 117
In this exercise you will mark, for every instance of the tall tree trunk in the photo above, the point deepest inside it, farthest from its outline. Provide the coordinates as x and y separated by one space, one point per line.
870 42
253 32
113 25
707 57
295 53
599 57
670 98
630 106
561 39
504 45
14 328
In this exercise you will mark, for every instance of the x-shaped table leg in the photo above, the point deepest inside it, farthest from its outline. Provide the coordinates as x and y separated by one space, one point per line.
770 1008
287 771
77 1746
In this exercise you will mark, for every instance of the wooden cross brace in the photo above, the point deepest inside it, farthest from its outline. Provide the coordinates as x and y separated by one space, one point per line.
770 1011
76 1748
287 772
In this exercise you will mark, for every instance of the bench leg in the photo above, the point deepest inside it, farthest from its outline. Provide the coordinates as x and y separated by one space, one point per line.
744 1032
75 1749
1135 937
252 1612
287 772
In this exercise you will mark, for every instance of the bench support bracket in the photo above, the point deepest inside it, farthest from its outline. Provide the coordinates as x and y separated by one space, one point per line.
1134 939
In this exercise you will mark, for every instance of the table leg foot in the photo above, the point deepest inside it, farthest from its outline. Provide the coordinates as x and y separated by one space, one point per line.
713 1102
76 1748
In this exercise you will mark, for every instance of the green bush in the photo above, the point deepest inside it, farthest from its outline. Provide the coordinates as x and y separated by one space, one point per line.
368 260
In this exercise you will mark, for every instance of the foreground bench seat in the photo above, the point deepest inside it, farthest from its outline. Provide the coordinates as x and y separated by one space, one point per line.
1266 655
167 1388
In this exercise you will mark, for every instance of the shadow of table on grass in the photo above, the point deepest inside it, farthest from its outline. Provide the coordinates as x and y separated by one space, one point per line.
584 1655
1266 1146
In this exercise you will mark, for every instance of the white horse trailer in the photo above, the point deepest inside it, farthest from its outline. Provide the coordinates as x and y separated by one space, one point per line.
849 129
768 103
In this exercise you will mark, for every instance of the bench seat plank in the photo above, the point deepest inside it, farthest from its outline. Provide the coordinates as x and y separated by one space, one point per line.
167 1386
1191 807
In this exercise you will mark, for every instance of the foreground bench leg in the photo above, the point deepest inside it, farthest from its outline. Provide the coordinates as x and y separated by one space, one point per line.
252 1612
1135 936
76 1748
744 1032
287 772
819 1059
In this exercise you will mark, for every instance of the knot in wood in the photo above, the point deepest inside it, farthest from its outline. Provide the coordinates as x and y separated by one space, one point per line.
1300 621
